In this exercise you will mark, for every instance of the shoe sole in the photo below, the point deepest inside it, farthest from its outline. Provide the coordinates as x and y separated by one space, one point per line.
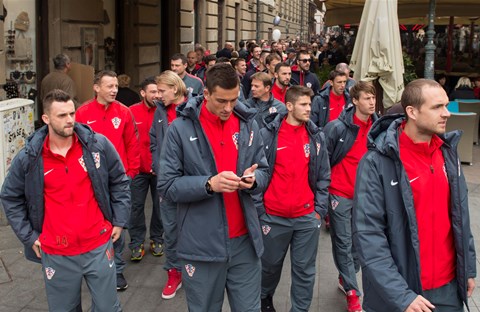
122 288
136 259
157 254
172 295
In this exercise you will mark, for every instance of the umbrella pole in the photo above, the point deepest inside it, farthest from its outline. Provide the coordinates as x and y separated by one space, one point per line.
430 46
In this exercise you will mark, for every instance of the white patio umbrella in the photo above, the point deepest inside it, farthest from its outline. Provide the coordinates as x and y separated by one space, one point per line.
377 53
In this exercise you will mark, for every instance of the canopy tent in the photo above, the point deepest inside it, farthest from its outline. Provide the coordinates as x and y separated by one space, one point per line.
341 12
378 51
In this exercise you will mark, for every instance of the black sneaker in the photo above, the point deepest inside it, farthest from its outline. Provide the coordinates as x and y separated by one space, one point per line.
267 304
121 282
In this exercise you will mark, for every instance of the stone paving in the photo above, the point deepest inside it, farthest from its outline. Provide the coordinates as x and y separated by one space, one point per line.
22 286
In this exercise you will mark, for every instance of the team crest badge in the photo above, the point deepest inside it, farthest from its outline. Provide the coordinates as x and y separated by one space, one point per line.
334 204
82 163
49 272
250 141
266 229
318 148
190 90
306 150
96 159
116 122
235 139
272 110
309 84
190 269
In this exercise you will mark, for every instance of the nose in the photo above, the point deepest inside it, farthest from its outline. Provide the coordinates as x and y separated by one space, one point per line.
445 112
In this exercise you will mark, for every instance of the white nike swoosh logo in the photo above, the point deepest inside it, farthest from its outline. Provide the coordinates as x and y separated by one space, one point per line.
393 183
193 139
414 179
139 123
160 120
90 121
324 107
332 108
47 172
111 264
266 147
281 148
341 140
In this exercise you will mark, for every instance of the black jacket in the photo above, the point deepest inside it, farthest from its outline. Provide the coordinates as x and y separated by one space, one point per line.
310 80
385 231
22 190
264 109
321 106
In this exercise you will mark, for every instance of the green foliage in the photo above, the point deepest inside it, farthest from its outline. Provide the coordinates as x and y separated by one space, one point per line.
409 74
323 72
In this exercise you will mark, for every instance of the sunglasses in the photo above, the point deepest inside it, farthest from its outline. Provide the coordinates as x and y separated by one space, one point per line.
305 60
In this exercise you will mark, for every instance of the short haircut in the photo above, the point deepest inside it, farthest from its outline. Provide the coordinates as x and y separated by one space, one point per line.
201 49
190 52
362 86
207 59
171 79
223 59
147 81
56 95
241 44
295 92
342 67
413 93
252 46
179 56
264 78
280 65
103 73
236 61
302 52
61 61
336 73
221 75
124 81
271 57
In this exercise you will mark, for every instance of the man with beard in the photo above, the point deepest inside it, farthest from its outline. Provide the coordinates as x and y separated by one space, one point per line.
247 79
301 74
67 198
178 64
347 143
143 113
192 66
115 121
283 74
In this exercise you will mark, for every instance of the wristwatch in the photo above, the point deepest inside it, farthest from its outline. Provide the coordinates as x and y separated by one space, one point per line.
208 186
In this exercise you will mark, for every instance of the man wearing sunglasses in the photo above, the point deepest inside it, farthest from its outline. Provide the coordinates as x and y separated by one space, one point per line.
301 74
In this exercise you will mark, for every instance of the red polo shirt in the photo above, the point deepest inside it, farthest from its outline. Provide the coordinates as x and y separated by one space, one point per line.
143 115
425 167
223 137
279 93
289 195
344 173
73 222
116 122
337 103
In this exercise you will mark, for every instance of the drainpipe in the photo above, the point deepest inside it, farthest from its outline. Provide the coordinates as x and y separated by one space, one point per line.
258 21
430 46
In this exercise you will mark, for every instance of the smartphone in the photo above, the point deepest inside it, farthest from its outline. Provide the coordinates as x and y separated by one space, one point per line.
246 177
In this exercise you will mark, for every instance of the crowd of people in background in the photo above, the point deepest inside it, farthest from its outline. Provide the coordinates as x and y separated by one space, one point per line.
246 153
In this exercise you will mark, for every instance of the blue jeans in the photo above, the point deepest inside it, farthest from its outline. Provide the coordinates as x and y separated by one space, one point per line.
137 228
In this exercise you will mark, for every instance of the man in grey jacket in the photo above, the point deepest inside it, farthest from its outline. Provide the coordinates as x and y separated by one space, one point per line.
411 224
211 164
67 199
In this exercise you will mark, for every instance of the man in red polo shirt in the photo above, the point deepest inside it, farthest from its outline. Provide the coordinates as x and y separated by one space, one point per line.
67 198
143 113
283 74
411 224
107 116
347 143
295 199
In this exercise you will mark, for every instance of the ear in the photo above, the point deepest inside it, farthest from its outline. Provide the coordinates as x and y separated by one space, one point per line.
355 101
96 88
206 94
45 119
289 106
143 93
411 112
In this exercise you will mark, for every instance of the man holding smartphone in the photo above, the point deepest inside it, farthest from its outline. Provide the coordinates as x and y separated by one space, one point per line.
212 163
295 199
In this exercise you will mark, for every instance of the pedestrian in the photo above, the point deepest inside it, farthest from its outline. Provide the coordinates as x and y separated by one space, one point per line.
295 199
411 225
283 74
301 74
146 179
59 78
347 143
261 67
67 199
262 100
172 92
178 64
211 164
114 120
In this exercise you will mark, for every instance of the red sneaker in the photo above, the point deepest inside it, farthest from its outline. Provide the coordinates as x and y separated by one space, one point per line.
353 302
173 284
